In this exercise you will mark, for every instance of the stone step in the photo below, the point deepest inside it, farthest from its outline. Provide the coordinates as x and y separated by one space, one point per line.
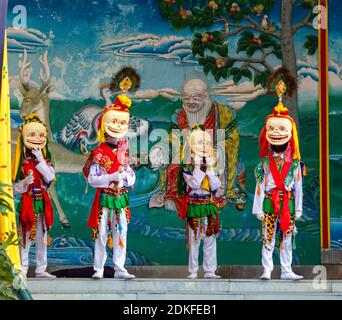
137 289
186 296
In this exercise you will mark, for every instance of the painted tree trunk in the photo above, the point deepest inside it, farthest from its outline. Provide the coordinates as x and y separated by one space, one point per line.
289 54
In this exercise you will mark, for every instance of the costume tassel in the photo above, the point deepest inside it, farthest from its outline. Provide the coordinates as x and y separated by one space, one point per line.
187 236
48 240
298 175
281 245
121 244
259 190
110 243
294 246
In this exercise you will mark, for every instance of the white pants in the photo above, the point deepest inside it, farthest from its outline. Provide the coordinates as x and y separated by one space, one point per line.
119 254
41 248
285 252
209 251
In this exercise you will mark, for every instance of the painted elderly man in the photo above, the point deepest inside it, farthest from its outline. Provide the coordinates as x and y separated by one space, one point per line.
199 109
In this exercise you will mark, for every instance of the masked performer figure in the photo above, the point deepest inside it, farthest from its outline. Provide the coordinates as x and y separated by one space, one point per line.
197 183
278 195
108 171
32 175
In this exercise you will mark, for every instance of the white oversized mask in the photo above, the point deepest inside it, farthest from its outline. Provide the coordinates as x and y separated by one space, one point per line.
201 143
116 123
278 130
34 135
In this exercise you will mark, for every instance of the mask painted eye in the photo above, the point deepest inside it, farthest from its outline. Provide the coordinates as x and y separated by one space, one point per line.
32 134
42 135
282 129
123 123
271 128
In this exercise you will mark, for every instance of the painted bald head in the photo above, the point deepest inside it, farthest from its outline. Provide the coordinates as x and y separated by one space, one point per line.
195 95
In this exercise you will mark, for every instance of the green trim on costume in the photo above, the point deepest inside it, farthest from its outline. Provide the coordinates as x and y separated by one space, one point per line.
38 206
201 210
112 202
268 206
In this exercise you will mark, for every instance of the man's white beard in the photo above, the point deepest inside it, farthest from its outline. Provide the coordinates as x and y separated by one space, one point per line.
198 117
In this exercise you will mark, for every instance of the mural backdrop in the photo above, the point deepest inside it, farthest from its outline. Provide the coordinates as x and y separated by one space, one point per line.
88 41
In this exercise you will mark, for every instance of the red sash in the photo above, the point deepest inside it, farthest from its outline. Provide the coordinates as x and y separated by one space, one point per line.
279 177
104 156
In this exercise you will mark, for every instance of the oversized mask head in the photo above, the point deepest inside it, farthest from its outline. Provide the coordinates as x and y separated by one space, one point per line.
116 123
201 143
278 130
34 135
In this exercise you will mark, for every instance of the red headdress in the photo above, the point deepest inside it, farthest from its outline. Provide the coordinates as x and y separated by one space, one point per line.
280 111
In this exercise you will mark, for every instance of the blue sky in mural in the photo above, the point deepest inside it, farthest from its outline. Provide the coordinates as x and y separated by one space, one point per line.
83 35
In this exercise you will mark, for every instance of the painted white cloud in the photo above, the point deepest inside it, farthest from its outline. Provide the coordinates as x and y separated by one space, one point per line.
237 95
29 39
150 45
150 94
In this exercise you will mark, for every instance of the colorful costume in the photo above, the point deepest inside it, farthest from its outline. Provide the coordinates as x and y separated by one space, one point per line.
278 195
32 175
107 170
196 188
219 117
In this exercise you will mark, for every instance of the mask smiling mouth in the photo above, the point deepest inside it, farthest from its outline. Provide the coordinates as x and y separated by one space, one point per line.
277 138
113 130
35 142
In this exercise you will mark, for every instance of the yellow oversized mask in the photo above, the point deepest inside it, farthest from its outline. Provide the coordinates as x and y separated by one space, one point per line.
34 135
116 123
278 130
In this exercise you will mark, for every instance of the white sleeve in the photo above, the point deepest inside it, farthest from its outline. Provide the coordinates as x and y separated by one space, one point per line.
46 170
98 178
20 187
130 177
259 197
214 180
194 180
298 185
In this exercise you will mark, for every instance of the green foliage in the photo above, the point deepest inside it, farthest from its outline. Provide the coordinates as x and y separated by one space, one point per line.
311 44
215 22
5 207
7 292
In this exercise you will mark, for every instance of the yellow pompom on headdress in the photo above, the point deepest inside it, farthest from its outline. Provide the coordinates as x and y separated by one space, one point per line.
280 111
19 151
127 79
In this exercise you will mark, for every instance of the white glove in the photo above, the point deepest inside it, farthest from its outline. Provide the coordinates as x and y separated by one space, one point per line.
260 216
209 161
123 175
198 160
38 154
298 214
116 176
28 180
